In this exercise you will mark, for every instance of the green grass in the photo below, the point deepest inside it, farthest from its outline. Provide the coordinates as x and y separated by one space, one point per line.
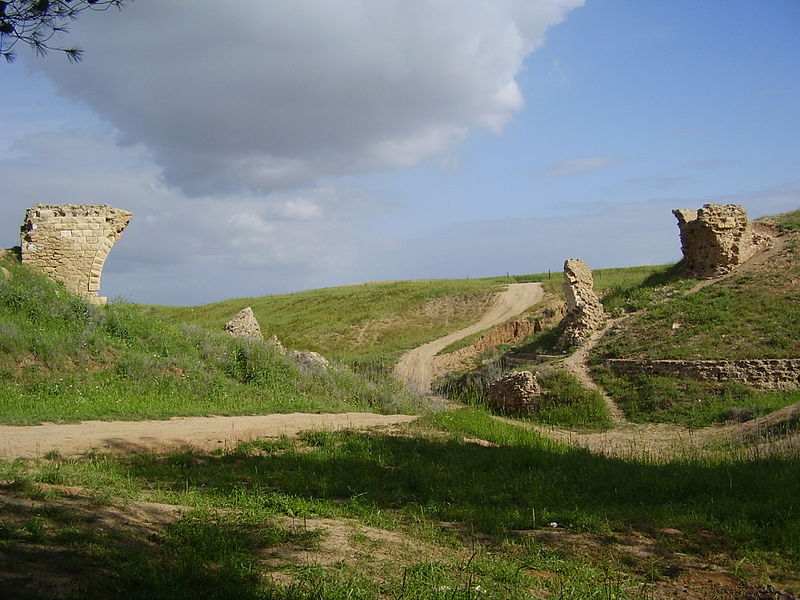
436 487
689 402
372 323
789 221
564 402
64 360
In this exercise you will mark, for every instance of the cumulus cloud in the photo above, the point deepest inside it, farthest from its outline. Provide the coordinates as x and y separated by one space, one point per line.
263 95
182 249
578 166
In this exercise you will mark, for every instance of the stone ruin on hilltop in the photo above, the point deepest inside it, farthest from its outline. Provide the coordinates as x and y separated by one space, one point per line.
716 239
585 313
70 243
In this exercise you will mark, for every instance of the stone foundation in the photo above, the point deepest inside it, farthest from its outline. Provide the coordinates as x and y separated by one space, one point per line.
765 373
70 243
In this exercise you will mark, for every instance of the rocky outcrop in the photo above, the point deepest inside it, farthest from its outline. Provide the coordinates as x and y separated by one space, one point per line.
766 373
585 313
70 243
245 325
716 238
514 393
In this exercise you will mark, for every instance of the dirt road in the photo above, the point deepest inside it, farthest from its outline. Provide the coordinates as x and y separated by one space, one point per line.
415 368
206 433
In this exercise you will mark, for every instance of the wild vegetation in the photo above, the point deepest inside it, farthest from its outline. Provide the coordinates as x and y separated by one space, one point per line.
428 513
62 359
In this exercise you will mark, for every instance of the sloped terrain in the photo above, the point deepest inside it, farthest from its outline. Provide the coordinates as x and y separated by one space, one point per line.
64 360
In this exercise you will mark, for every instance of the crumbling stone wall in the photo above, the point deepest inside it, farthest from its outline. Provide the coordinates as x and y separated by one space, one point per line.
585 313
71 242
767 373
715 239
515 393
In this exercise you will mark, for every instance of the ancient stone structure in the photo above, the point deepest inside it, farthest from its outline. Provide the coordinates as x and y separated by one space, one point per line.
585 313
514 393
70 243
245 325
764 373
715 239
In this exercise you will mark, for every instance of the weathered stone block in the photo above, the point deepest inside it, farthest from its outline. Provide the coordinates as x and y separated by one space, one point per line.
515 393
244 324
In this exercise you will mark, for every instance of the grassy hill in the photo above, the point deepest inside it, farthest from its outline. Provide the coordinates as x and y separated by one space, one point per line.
755 313
62 359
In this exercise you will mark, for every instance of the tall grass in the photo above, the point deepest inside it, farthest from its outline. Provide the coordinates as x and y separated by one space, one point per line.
63 359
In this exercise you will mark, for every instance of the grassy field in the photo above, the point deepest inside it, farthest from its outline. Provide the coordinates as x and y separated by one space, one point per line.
63 360
689 402
372 323
427 514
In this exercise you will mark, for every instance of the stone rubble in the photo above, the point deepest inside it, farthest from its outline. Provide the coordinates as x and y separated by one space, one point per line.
585 313
70 243
244 325
716 239
514 393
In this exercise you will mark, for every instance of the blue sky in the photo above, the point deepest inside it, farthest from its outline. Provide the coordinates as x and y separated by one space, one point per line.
630 109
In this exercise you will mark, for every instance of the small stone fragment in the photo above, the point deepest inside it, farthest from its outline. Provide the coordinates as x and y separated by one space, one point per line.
245 325
309 362
515 393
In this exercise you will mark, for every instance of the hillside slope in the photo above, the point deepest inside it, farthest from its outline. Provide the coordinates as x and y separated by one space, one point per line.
62 360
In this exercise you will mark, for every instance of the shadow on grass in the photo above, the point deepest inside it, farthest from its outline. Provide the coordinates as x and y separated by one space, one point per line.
524 483
72 547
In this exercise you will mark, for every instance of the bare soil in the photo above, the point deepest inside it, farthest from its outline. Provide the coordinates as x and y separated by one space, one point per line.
204 433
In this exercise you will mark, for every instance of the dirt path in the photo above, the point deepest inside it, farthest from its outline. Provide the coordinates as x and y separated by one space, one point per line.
415 368
205 433
577 363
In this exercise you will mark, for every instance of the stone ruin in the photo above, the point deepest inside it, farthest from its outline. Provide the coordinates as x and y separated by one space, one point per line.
515 393
585 313
716 239
245 325
70 243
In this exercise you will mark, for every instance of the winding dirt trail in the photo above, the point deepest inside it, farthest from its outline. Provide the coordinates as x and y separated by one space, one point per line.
205 433
415 367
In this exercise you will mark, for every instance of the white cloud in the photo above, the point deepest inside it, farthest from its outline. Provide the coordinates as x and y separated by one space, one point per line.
578 166
263 95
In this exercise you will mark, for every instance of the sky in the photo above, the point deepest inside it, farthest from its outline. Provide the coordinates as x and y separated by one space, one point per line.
296 144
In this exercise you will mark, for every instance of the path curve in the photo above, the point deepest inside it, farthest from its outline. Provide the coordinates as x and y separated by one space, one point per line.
205 433
415 367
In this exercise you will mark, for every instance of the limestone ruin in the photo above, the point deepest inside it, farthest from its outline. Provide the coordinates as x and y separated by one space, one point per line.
245 325
70 243
761 373
515 393
715 239
585 313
